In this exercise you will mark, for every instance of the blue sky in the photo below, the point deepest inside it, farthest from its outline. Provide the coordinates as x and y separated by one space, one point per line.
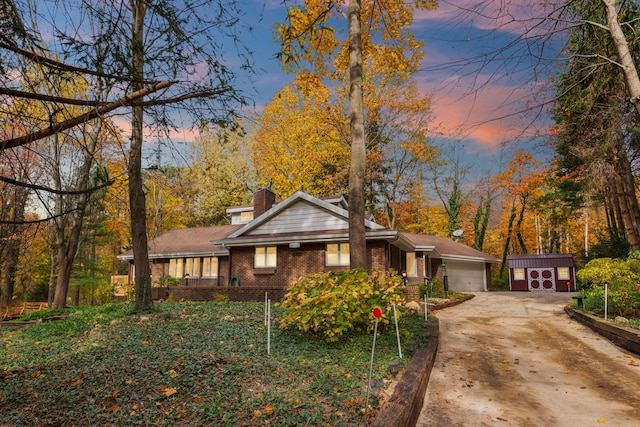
478 91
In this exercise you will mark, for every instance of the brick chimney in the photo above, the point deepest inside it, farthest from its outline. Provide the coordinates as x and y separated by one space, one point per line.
263 200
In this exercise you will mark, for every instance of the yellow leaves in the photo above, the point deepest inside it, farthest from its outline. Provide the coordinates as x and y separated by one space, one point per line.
600 420
168 391
172 373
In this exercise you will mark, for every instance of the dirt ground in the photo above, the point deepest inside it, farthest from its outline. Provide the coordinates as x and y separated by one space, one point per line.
516 359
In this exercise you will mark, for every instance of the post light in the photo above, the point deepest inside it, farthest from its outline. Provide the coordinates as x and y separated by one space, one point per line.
376 389
445 278
428 284
404 277
186 279
394 367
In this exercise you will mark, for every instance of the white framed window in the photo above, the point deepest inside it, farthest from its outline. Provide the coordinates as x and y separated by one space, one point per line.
337 254
265 257
563 273
518 274
412 265
210 266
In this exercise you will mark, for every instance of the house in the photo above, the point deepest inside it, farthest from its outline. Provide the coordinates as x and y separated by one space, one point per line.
542 272
269 245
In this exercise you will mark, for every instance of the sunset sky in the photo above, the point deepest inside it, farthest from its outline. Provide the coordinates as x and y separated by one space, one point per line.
478 91
487 100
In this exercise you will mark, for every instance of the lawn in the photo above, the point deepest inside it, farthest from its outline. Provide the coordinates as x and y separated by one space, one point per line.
188 364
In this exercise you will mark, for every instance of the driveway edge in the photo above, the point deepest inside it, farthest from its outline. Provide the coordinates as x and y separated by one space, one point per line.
404 406
627 338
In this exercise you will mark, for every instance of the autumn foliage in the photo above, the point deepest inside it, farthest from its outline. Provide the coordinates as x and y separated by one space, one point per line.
333 304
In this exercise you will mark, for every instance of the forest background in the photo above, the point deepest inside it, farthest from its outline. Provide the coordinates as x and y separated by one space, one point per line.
527 144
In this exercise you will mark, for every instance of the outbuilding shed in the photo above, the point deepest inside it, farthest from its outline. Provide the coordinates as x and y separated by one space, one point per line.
543 272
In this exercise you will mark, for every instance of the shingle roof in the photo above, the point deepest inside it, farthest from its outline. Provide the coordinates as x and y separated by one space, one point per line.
448 248
187 241
540 260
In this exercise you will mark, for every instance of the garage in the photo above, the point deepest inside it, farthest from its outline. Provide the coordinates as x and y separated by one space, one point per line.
466 276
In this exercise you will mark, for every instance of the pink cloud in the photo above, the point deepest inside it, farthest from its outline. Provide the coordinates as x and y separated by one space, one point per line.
514 16
490 116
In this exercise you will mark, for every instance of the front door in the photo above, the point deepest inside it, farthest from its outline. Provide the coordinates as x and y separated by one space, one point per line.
541 279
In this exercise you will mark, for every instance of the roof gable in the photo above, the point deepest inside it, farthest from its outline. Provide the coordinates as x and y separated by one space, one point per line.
300 213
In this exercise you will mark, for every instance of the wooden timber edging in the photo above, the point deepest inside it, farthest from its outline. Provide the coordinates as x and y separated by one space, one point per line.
627 338
16 310
405 404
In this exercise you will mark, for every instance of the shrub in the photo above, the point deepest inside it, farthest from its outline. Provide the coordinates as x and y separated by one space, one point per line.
621 277
334 303
168 280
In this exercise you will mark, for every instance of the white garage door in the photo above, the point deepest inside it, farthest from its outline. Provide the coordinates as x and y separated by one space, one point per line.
466 276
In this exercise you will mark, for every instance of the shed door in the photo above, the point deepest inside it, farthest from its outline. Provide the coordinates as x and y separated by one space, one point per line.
541 279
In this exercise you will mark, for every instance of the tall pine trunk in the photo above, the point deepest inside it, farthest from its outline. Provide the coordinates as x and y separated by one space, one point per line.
357 236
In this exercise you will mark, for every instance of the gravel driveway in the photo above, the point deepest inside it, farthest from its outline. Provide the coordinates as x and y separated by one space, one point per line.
516 359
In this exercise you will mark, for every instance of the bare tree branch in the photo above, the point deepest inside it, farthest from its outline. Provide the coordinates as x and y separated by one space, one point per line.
67 124
64 67
49 98
53 190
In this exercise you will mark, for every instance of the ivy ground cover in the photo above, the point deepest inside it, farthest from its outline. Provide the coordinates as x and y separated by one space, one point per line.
188 364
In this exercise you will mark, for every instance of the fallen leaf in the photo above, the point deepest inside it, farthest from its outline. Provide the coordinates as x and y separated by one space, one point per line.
468 354
113 408
172 373
505 361
600 420
169 391
268 410
257 413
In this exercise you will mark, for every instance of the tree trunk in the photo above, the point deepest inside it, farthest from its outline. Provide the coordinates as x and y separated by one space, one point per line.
624 55
507 240
137 202
12 248
357 236
523 246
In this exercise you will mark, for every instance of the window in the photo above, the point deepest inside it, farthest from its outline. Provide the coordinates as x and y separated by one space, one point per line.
265 257
210 266
563 273
412 266
337 254
176 267
518 274
246 217
192 267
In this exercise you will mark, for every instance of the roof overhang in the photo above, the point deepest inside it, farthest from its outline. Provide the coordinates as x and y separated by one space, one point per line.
391 236
491 260
214 253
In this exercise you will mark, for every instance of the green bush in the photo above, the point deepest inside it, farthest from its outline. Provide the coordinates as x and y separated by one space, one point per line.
168 280
334 303
621 277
